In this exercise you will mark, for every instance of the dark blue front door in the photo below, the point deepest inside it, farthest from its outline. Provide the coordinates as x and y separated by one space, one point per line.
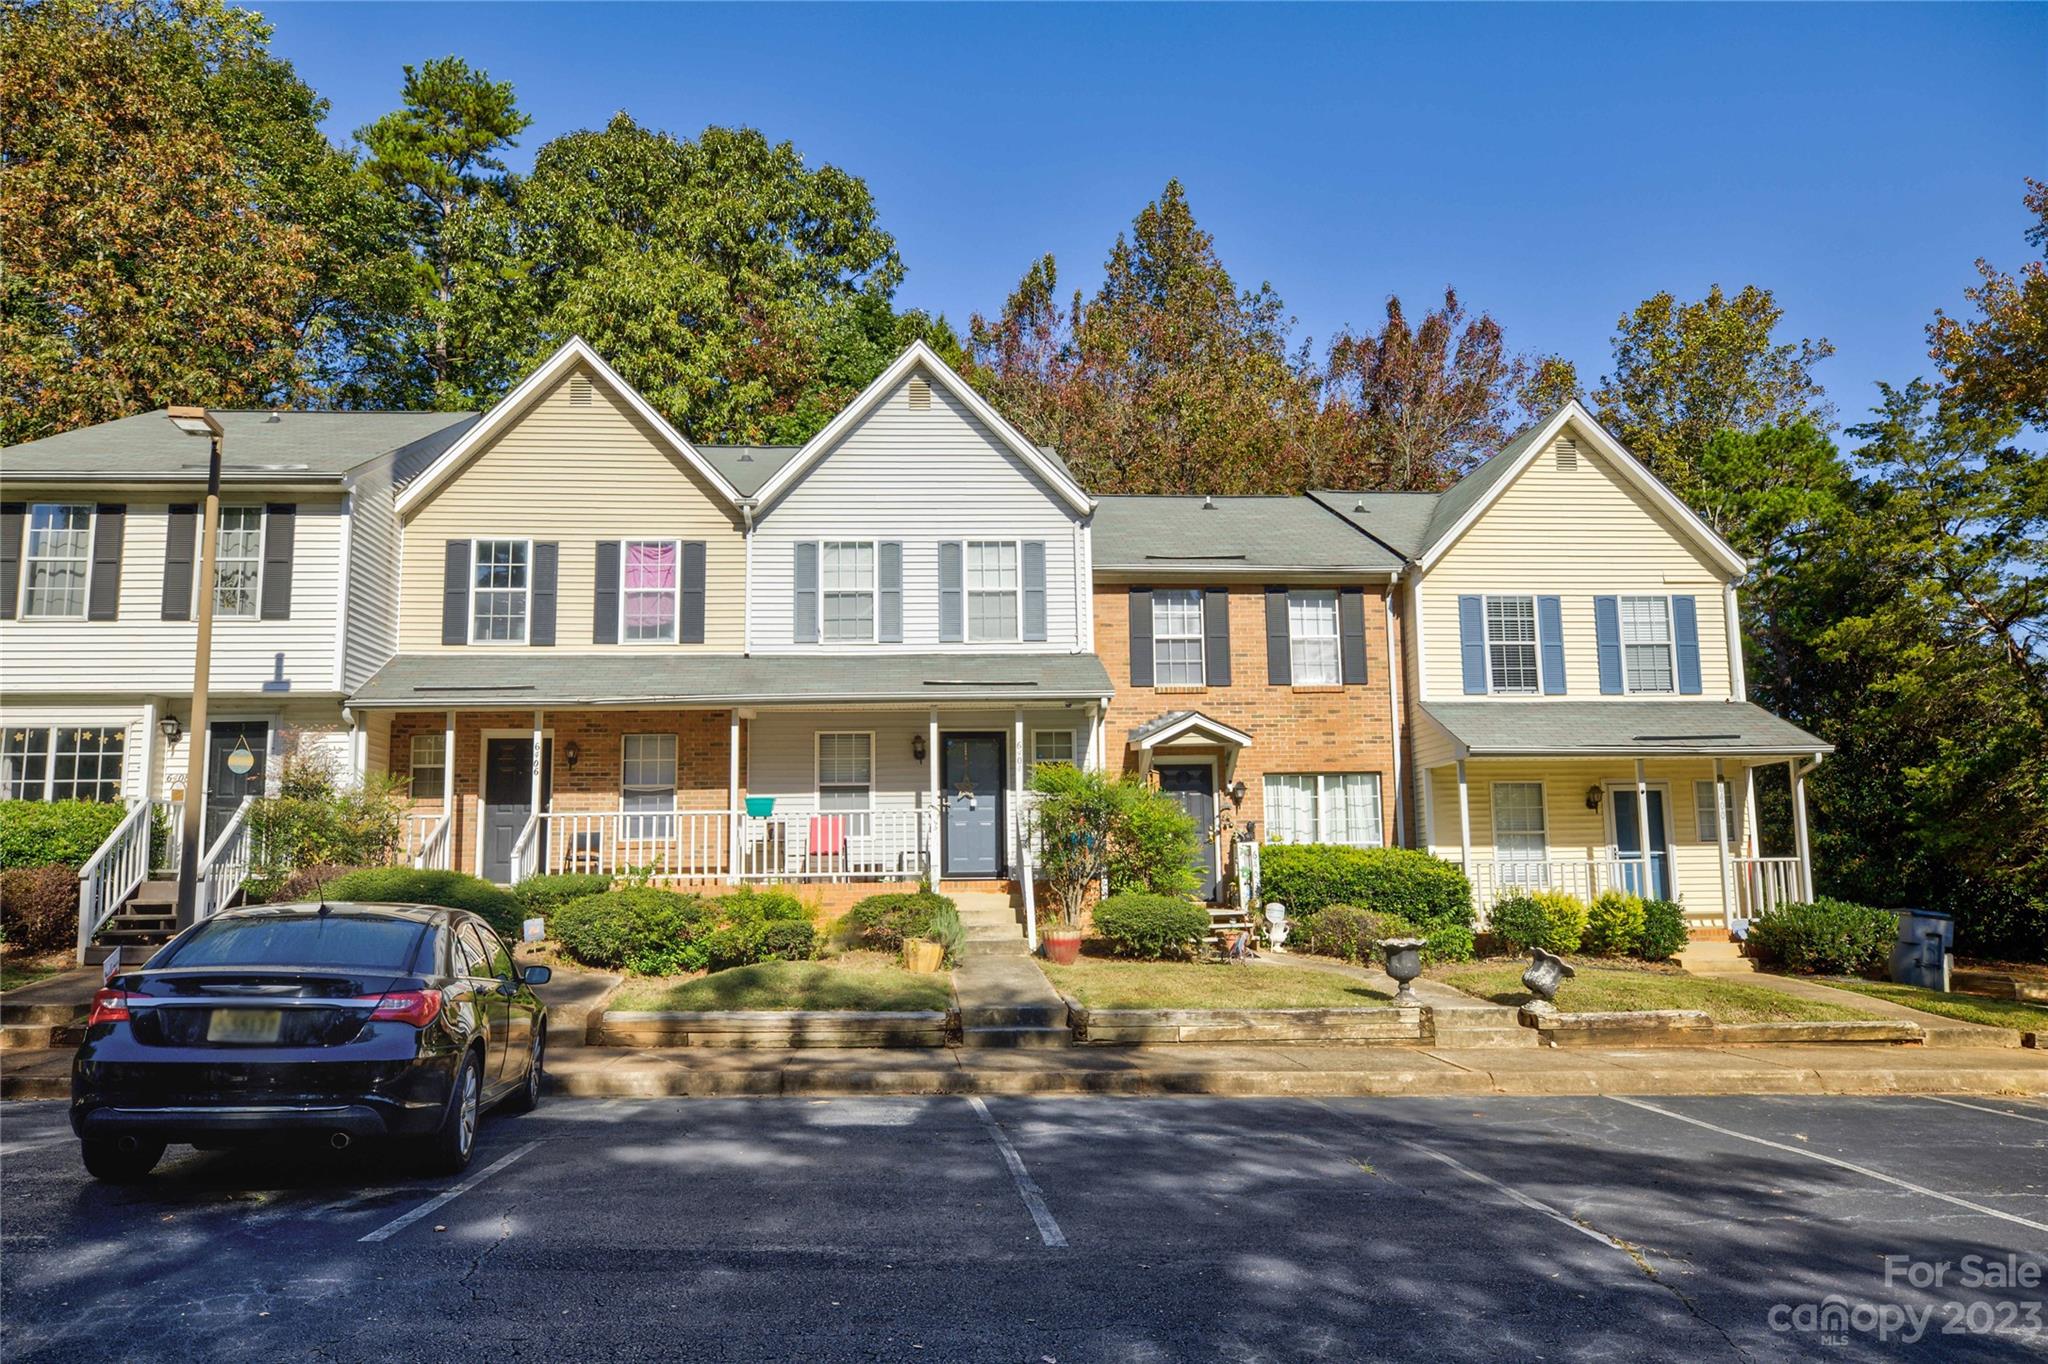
1193 788
1648 877
971 784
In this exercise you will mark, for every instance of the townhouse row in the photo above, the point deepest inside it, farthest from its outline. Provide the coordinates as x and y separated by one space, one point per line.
585 642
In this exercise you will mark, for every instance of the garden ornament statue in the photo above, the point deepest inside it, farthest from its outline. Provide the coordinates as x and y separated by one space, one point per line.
1404 963
1546 972
1276 925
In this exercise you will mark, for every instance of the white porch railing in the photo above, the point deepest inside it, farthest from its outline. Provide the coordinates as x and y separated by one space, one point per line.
113 872
427 841
1762 883
526 850
873 845
166 859
1495 878
226 864
683 845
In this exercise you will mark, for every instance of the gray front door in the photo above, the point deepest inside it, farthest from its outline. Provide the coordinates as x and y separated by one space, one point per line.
971 784
1193 787
237 755
508 798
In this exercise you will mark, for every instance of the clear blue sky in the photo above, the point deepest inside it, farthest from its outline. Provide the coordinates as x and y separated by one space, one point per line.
1556 163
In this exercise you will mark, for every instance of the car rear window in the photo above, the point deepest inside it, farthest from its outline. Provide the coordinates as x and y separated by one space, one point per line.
311 940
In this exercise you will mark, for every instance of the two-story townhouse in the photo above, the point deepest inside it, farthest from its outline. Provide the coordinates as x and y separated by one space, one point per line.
1577 713
1256 644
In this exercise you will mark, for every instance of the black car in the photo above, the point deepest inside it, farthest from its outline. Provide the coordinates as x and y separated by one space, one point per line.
334 1021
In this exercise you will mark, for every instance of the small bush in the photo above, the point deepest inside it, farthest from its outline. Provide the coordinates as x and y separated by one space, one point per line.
1829 937
1664 933
1549 919
1349 933
759 924
1448 942
784 940
539 894
307 883
39 907
1151 926
761 904
1425 890
654 932
1614 923
886 922
413 886
42 833
317 819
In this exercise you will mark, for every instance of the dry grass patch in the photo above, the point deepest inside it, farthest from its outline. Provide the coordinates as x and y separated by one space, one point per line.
866 981
1103 983
1613 989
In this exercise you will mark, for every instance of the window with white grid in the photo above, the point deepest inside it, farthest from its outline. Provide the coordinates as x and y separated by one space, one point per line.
846 771
503 591
238 562
993 606
58 559
651 590
25 763
1646 643
1323 807
429 765
1511 645
647 782
1312 639
1518 828
847 577
1052 746
85 762
1177 637
1703 811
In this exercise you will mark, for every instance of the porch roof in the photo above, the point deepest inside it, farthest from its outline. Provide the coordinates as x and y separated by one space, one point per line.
506 679
1620 727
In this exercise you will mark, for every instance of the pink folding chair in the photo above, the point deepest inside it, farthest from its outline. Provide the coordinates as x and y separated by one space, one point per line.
827 836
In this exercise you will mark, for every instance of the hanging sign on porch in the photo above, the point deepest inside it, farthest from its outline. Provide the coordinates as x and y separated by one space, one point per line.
241 760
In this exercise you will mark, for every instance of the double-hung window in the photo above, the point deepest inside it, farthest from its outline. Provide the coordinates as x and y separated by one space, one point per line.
238 562
994 594
847 577
1511 646
846 777
1703 810
1646 644
1177 637
429 766
1312 639
58 560
647 784
1323 807
502 591
1520 838
1052 746
62 762
651 591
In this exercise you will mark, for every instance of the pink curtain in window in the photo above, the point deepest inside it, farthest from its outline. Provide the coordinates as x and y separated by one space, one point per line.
650 571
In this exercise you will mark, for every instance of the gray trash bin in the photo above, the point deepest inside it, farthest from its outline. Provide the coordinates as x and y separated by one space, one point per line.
1921 955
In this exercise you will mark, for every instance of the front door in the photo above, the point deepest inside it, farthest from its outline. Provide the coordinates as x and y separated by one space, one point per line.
971 785
508 799
237 755
1193 787
1648 876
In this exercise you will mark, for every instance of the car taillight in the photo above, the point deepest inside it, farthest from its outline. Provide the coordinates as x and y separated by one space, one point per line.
109 1006
417 1007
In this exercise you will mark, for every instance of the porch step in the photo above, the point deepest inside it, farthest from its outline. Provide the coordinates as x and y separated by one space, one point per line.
156 891
1706 958
40 1036
1479 1027
1017 1037
1007 946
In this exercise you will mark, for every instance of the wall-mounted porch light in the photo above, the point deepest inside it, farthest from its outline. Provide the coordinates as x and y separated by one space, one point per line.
1593 794
571 754
917 749
170 729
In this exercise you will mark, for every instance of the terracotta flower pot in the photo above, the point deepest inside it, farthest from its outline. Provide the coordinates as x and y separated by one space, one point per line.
1063 946
923 957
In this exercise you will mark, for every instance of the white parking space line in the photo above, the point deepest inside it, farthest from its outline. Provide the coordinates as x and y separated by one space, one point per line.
398 1224
2023 1117
1534 1205
1851 1166
1034 1200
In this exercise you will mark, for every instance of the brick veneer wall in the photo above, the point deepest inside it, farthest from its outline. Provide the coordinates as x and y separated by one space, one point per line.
1293 729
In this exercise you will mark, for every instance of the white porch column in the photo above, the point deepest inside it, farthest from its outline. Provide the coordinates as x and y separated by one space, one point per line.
539 753
932 832
1799 775
1094 713
732 795
1721 836
145 778
1648 886
1464 821
448 769
1752 847
1016 820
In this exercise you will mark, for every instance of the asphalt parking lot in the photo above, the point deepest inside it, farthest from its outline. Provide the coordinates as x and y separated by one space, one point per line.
1052 1231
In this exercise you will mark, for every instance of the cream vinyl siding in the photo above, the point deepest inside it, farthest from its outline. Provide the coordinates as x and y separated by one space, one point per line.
370 622
919 477
142 653
1573 534
574 475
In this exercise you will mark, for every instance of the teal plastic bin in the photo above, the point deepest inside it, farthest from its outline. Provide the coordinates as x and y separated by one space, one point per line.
760 807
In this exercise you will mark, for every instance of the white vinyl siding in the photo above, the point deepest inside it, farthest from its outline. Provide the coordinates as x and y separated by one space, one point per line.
1312 639
1646 644
846 772
1511 646
1324 807
995 607
501 591
1177 637
58 560
63 762
846 591
428 766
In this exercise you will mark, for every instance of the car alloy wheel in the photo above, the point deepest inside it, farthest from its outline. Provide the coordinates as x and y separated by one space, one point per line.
533 1074
466 1133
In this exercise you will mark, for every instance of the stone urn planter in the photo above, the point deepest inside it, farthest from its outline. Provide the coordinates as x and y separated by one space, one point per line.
1404 963
1063 946
1546 972
923 957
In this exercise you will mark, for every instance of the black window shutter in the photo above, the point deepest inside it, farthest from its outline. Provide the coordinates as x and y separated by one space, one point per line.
692 627
1216 636
1351 633
11 514
181 543
1279 656
604 606
1141 636
280 528
103 595
455 593
540 630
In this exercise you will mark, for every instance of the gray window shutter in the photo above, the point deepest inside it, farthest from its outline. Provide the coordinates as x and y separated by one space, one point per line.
804 607
1216 636
889 592
455 592
1607 640
1032 555
952 595
181 545
11 514
1550 640
1351 634
604 601
103 595
540 627
1472 644
1279 655
1685 634
1141 636
280 529
691 629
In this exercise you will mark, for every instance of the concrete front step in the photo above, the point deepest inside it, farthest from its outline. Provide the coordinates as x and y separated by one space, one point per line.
1016 1037
1480 1027
41 1036
1705 958
1013 1015
995 947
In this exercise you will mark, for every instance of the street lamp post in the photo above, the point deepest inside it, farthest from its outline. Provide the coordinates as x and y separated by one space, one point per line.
197 421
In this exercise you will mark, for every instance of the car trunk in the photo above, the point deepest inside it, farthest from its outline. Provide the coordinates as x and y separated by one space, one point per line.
230 1007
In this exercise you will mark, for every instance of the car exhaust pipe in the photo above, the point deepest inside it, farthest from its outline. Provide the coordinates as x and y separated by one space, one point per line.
339 1141
128 1146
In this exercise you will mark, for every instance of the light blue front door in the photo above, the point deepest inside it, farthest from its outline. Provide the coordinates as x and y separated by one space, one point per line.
1649 877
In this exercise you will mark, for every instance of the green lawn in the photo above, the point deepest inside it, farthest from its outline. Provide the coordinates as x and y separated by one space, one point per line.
1602 989
1100 983
840 984
15 974
1992 1013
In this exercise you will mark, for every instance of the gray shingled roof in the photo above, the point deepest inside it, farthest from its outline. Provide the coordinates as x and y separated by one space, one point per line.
515 679
1400 521
1230 534
258 447
748 467
1565 728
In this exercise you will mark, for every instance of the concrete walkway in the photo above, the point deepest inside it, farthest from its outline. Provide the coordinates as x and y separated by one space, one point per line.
1006 1001
1940 1029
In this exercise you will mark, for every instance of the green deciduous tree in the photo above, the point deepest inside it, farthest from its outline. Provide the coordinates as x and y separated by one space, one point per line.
1996 363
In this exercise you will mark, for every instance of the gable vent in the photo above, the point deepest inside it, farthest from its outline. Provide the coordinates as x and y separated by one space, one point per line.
920 393
1567 453
579 391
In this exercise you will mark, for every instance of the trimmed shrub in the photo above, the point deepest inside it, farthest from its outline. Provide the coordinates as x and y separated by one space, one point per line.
39 907
1426 891
1549 919
759 924
1449 942
1151 926
885 922
1350 933
414 886
761 904
1829 937
307 883
1614 923
1664 933
539 894
42 833
654 932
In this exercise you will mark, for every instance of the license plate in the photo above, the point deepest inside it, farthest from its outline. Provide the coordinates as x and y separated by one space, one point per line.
245 1025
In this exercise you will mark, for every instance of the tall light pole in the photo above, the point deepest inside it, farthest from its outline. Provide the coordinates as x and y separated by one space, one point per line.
197 421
